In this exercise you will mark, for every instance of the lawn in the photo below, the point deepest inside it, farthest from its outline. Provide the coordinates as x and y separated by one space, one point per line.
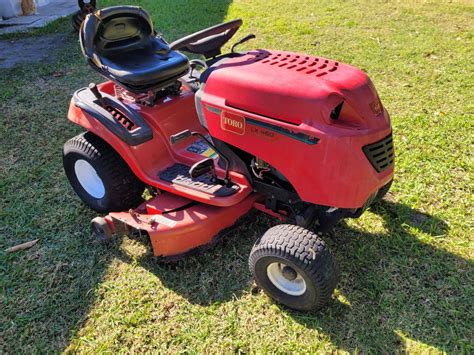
407 264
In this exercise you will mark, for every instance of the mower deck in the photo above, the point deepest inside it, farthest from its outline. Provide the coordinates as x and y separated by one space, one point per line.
177 225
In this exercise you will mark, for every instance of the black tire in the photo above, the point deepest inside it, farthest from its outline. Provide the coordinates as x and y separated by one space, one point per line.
304 252
121 190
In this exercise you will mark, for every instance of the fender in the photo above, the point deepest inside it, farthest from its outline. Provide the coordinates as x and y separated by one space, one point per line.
130 127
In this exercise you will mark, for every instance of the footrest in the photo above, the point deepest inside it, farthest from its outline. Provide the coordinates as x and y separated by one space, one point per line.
179 174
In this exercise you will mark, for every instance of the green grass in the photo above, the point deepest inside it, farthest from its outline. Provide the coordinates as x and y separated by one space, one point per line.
407 265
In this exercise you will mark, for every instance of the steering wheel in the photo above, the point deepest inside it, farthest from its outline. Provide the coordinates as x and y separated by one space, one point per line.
209 41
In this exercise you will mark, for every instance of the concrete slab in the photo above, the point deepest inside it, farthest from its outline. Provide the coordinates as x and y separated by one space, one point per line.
59 8
29 50
53 10
20 20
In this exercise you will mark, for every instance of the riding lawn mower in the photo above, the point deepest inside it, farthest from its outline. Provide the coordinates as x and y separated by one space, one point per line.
299 137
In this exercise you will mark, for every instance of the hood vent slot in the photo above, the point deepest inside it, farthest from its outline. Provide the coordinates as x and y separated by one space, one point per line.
302 64
336 111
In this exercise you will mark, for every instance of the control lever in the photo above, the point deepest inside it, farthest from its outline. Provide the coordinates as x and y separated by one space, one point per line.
93 88
193 64
175 138
243 40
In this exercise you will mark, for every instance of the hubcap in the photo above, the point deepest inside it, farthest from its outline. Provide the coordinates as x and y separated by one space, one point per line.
286 279
289 273
89 179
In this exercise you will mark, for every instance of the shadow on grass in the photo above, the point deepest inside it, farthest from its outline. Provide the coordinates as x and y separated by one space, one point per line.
394 283
397 287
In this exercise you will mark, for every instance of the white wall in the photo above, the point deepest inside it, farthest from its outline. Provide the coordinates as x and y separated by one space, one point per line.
10 8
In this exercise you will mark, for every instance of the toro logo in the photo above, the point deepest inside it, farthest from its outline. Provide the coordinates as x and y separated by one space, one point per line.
233 123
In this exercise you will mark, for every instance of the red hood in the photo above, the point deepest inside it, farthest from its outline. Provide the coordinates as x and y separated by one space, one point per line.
296 88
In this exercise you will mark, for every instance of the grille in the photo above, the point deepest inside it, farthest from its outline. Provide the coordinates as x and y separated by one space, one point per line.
380 154
309 65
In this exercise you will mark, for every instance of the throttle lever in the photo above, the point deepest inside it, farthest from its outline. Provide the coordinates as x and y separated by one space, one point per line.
243 40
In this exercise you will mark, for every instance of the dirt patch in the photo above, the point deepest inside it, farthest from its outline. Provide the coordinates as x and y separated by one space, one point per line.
30 50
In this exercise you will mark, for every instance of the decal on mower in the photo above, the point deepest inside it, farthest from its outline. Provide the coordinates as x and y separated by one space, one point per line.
262 133
233 123
163 220
376 106
302 137
200 147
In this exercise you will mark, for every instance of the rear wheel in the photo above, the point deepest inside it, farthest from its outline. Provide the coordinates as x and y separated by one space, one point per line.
99 175
294 267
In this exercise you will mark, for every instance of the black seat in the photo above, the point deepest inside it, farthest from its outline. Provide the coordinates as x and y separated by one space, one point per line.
120 43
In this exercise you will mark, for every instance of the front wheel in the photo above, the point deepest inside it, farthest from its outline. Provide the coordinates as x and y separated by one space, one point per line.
294 267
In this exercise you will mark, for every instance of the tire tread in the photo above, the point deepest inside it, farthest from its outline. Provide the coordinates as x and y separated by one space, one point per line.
124 182
305 249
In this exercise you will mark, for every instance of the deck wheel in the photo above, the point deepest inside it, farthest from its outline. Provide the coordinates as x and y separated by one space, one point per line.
101 230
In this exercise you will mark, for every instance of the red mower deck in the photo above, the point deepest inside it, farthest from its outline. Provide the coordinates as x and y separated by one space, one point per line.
176 225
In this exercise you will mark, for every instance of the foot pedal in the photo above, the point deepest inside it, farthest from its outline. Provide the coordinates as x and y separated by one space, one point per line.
179 174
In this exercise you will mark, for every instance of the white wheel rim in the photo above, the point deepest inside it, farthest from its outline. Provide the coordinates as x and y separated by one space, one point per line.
295 287
89 179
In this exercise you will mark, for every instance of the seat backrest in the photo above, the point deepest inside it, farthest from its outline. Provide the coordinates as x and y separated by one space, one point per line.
115 30
119 42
